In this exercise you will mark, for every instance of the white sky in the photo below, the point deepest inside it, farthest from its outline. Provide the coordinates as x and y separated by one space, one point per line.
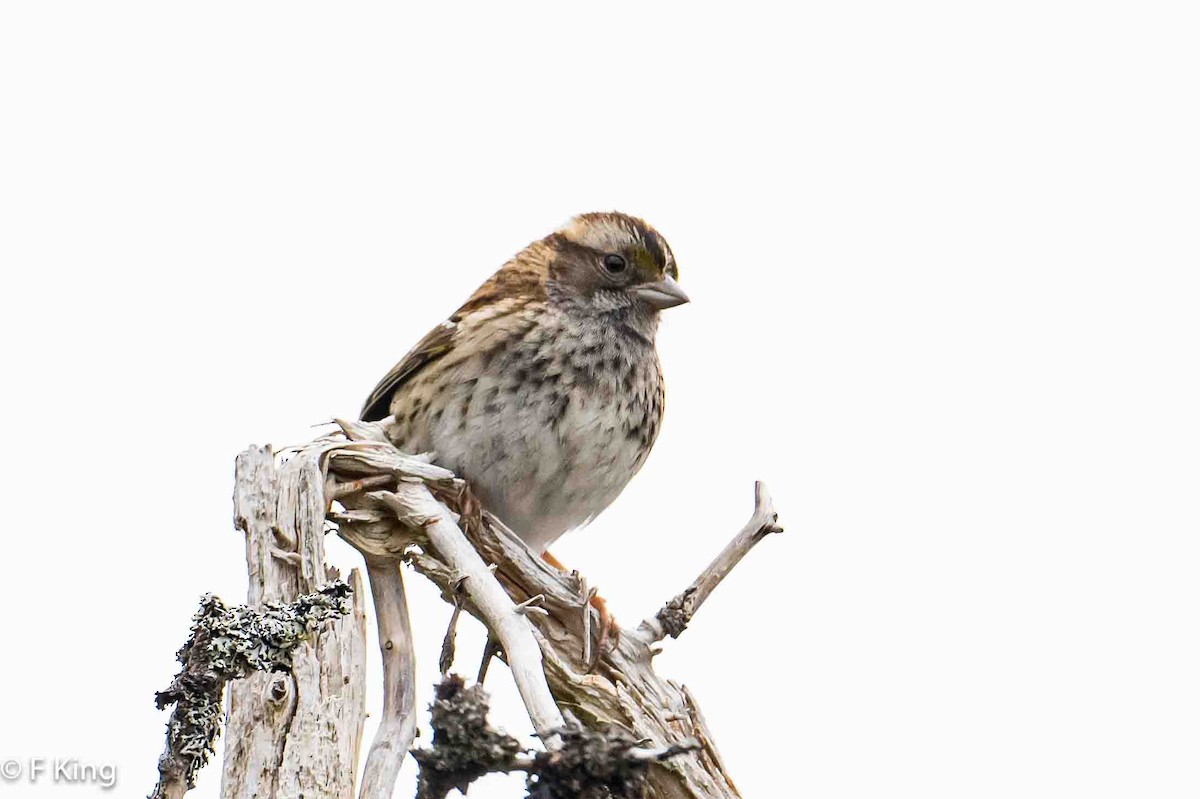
943 261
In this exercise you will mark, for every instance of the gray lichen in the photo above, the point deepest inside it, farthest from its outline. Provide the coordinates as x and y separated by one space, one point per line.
675 615
590 764
227 643
465 747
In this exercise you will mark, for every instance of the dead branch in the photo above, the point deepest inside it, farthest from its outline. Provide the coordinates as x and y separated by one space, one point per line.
430 523
588 764
465 746
398 725
415 506
297 733
616 729
674 616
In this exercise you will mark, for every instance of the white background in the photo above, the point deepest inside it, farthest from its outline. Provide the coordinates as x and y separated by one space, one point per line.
943 261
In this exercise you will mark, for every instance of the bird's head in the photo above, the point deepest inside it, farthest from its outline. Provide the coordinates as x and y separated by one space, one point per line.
611 261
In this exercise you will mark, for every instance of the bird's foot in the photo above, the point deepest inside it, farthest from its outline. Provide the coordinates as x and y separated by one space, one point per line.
610 631
609 634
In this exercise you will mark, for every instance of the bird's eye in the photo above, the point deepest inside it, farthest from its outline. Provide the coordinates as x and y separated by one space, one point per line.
614 263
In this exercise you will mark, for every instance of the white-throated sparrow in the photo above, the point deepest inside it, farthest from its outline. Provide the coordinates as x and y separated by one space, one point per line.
544 389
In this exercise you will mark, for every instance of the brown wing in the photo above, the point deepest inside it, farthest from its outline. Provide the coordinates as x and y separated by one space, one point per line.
522 278
436 343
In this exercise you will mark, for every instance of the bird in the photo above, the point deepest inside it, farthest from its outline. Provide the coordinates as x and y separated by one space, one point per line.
544 390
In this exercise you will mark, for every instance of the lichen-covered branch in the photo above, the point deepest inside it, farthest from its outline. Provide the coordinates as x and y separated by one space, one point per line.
227 643
465 747
294 733
605 763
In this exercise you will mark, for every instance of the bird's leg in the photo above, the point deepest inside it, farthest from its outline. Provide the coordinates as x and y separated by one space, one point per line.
553 561
609 629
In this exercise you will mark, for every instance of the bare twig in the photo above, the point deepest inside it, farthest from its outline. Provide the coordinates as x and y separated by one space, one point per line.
588 594
530 605
673 618
398 724
491 648
446 658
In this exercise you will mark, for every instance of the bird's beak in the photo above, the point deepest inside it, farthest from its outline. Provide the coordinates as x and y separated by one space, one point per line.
666 293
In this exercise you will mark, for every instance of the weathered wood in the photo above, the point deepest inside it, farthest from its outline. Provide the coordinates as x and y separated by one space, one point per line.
296 734
227 644
415 506
623 689
398 723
